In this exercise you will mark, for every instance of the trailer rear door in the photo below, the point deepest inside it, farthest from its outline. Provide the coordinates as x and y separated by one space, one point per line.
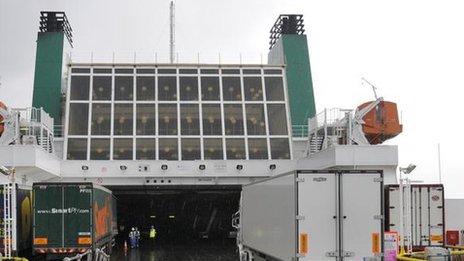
340 215
361 196
48 221
317 204
77 215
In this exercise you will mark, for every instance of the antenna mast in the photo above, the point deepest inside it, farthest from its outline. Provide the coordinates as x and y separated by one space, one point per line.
172 33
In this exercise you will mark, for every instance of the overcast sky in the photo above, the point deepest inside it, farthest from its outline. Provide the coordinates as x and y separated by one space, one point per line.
413 51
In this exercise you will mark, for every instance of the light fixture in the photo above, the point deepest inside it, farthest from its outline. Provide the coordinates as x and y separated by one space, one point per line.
123 167
272 166
239 167
202 167
164 167
84 167
5 171
408 169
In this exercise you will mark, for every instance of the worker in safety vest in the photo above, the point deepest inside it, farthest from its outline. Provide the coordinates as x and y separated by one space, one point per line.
133 238
137 237
152 234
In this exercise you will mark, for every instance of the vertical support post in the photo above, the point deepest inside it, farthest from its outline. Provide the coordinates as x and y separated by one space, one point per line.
401 187
439 164
172 32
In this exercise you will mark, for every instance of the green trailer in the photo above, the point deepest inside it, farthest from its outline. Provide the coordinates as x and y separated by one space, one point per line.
70 218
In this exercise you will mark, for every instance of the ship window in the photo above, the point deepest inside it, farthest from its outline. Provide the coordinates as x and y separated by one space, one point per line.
167 119
212 119
80 86
123 119
122 149
80 70
230 71
168 149
167 71
277 118
191 149
146 71
235 149
101 70
78 118
77 149
188 71
100 149
124 71
167 89
209 71
274 89
213 149
210 89
280 148
188 88
256 124
123 88
257 148
231 89
189 119
146 114
253 88
233 118
146 149
146 88
101 88
101 119
273 71
251 71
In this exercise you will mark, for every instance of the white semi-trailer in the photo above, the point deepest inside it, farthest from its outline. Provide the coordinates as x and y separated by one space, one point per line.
313 215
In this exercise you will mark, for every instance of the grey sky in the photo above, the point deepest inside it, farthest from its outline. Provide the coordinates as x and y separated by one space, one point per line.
412 50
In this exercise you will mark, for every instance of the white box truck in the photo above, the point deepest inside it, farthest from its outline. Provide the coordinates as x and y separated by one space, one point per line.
313 215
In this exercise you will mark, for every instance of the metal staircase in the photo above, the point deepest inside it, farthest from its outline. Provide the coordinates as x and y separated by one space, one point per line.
315 143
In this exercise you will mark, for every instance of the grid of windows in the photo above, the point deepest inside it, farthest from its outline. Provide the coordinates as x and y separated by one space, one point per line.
177 114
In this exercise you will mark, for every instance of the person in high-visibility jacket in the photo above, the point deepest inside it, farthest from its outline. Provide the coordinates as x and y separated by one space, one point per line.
152 234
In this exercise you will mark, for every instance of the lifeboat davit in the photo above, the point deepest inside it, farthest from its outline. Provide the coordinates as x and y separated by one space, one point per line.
381 123
3 106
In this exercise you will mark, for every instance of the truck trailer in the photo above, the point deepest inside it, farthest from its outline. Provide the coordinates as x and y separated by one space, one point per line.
15 219
313 215
427 214
71 218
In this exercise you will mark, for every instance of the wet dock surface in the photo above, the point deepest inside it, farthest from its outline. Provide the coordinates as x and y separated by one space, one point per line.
204 251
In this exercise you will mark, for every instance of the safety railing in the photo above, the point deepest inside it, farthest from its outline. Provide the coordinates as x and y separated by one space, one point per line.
327 117
150 57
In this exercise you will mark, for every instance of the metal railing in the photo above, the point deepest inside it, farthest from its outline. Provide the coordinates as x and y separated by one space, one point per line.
154 57
327 117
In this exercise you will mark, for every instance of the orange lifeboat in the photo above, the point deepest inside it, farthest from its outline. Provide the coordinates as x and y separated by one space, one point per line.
381 123
3 106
